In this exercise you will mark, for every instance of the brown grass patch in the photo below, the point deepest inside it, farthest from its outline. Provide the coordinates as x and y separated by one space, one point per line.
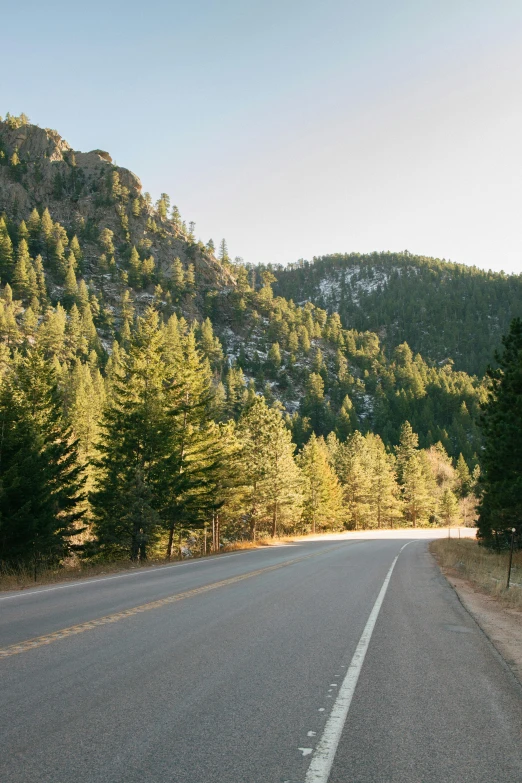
234 546
18 578
485 569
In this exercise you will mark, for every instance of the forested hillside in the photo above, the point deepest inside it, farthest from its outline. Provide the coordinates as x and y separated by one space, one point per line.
442 310
153 390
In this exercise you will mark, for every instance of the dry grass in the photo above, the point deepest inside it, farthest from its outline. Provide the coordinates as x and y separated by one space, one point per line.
486 570
17 578
237 545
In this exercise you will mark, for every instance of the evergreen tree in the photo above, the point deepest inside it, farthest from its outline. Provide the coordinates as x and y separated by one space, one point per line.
354 474
463 478
40 281
46 226
223 251
41 487
59 260
194 446
21 285
415 491
322 494
135 277
6 253
449 508
178 279
209 343
270 470
70 292
133 449
383 497
501 480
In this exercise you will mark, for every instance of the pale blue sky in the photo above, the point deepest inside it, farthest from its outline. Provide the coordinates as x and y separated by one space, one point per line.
294 128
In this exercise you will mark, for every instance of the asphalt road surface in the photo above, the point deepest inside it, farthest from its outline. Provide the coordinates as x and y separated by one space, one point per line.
322 661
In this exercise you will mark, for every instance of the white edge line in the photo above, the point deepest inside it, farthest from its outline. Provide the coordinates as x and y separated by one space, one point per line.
139 572
326 748
88 581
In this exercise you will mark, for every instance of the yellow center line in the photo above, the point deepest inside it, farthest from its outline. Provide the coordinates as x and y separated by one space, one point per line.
40 641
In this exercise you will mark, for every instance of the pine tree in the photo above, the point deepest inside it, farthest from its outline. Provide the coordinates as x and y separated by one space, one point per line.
176 219
449 508
51 334
283 480
147 267
209 343
225 482
270 470
21 284
178 279
223 251
29 324
46 226
274 358
70 292
34 224
463 478
40 281
41 489
383 498
75 342
322 501
352 468
346 420
135 277
193 441
59 260
418 500
190 281
236 392
501 481
6 253
313 405
133 449
85 408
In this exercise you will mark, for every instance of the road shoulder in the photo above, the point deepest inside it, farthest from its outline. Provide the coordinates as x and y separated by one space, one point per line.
501 625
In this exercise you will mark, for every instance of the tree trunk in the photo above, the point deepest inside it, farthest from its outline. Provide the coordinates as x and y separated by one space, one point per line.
171 542
274 521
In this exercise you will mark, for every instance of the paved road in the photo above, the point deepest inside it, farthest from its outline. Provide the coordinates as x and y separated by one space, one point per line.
234 670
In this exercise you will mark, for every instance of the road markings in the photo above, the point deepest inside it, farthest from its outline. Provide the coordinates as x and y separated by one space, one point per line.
40 641
89 581
326 748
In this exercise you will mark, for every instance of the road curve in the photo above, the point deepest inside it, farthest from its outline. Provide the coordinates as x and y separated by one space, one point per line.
230 670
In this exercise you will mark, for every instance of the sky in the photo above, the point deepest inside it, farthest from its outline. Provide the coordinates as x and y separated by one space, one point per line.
294 128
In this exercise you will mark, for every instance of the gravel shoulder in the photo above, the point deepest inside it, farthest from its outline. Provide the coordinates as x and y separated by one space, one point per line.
503 626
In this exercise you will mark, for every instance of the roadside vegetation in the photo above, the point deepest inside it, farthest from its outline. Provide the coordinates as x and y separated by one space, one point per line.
485 568
158 400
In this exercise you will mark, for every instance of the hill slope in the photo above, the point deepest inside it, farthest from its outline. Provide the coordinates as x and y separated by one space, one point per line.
442 310
85 251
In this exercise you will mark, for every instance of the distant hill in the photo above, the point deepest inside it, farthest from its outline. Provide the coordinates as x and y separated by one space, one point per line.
87 193
344 343
442 310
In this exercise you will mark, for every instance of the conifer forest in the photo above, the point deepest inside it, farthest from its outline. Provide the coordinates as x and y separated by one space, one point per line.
160 398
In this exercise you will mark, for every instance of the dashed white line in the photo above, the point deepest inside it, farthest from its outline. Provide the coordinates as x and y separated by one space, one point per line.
326 748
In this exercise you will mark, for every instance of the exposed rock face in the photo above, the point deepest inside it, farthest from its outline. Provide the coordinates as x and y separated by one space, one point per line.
87 193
